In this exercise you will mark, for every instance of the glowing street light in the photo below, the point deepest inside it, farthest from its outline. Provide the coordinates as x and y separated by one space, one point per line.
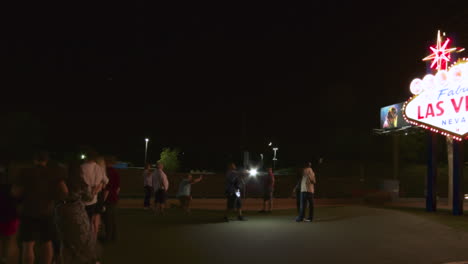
274 157
269 144
146 149
274 153
83 156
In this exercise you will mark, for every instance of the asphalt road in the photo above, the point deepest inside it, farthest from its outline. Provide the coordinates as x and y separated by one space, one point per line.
342 234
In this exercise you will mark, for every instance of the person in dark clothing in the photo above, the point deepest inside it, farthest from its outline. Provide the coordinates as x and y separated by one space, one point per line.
9 223
268 187
233 192
147 186
296 192
39 187
111 197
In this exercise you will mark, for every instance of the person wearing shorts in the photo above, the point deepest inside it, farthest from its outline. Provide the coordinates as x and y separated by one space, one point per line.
160 185
185 191
39 187
93 173
160 197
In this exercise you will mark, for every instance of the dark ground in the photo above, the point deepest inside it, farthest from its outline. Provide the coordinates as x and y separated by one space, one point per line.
340 234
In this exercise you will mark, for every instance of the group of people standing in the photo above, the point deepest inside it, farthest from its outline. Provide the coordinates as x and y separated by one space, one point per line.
304 192
155 182
235 190
58 210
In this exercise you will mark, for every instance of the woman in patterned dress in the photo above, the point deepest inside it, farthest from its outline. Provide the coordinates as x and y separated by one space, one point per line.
78 244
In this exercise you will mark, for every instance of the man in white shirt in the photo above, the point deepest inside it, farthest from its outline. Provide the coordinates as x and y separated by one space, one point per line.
95 177
160 186
307 193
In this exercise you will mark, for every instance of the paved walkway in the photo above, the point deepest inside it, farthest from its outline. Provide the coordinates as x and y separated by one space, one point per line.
289 203
340 234
248 204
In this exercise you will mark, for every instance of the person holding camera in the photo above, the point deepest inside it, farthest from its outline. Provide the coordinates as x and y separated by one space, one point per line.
234 183
184 193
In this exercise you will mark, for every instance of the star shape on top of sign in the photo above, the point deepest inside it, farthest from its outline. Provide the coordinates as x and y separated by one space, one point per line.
440 54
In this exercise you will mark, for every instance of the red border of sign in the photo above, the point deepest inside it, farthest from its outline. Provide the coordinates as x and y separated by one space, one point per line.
430 127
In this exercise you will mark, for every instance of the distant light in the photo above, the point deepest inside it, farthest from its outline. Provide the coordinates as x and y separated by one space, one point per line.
83 156
466 196
146 139
269 144
253 172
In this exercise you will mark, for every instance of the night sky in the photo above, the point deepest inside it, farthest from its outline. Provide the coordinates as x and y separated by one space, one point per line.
215 79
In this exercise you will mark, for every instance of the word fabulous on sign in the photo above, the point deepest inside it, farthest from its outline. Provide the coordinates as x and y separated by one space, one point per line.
440 102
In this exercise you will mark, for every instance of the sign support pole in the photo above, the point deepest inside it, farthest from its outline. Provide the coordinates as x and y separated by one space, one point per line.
396 158
457 198
431 195
449 141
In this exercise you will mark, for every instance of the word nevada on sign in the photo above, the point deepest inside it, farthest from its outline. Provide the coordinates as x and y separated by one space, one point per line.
440 102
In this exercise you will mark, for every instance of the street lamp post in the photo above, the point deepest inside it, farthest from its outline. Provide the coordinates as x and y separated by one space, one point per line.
274 157
146 149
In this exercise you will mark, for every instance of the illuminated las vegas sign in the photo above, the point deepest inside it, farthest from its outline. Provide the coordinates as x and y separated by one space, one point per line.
440 101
